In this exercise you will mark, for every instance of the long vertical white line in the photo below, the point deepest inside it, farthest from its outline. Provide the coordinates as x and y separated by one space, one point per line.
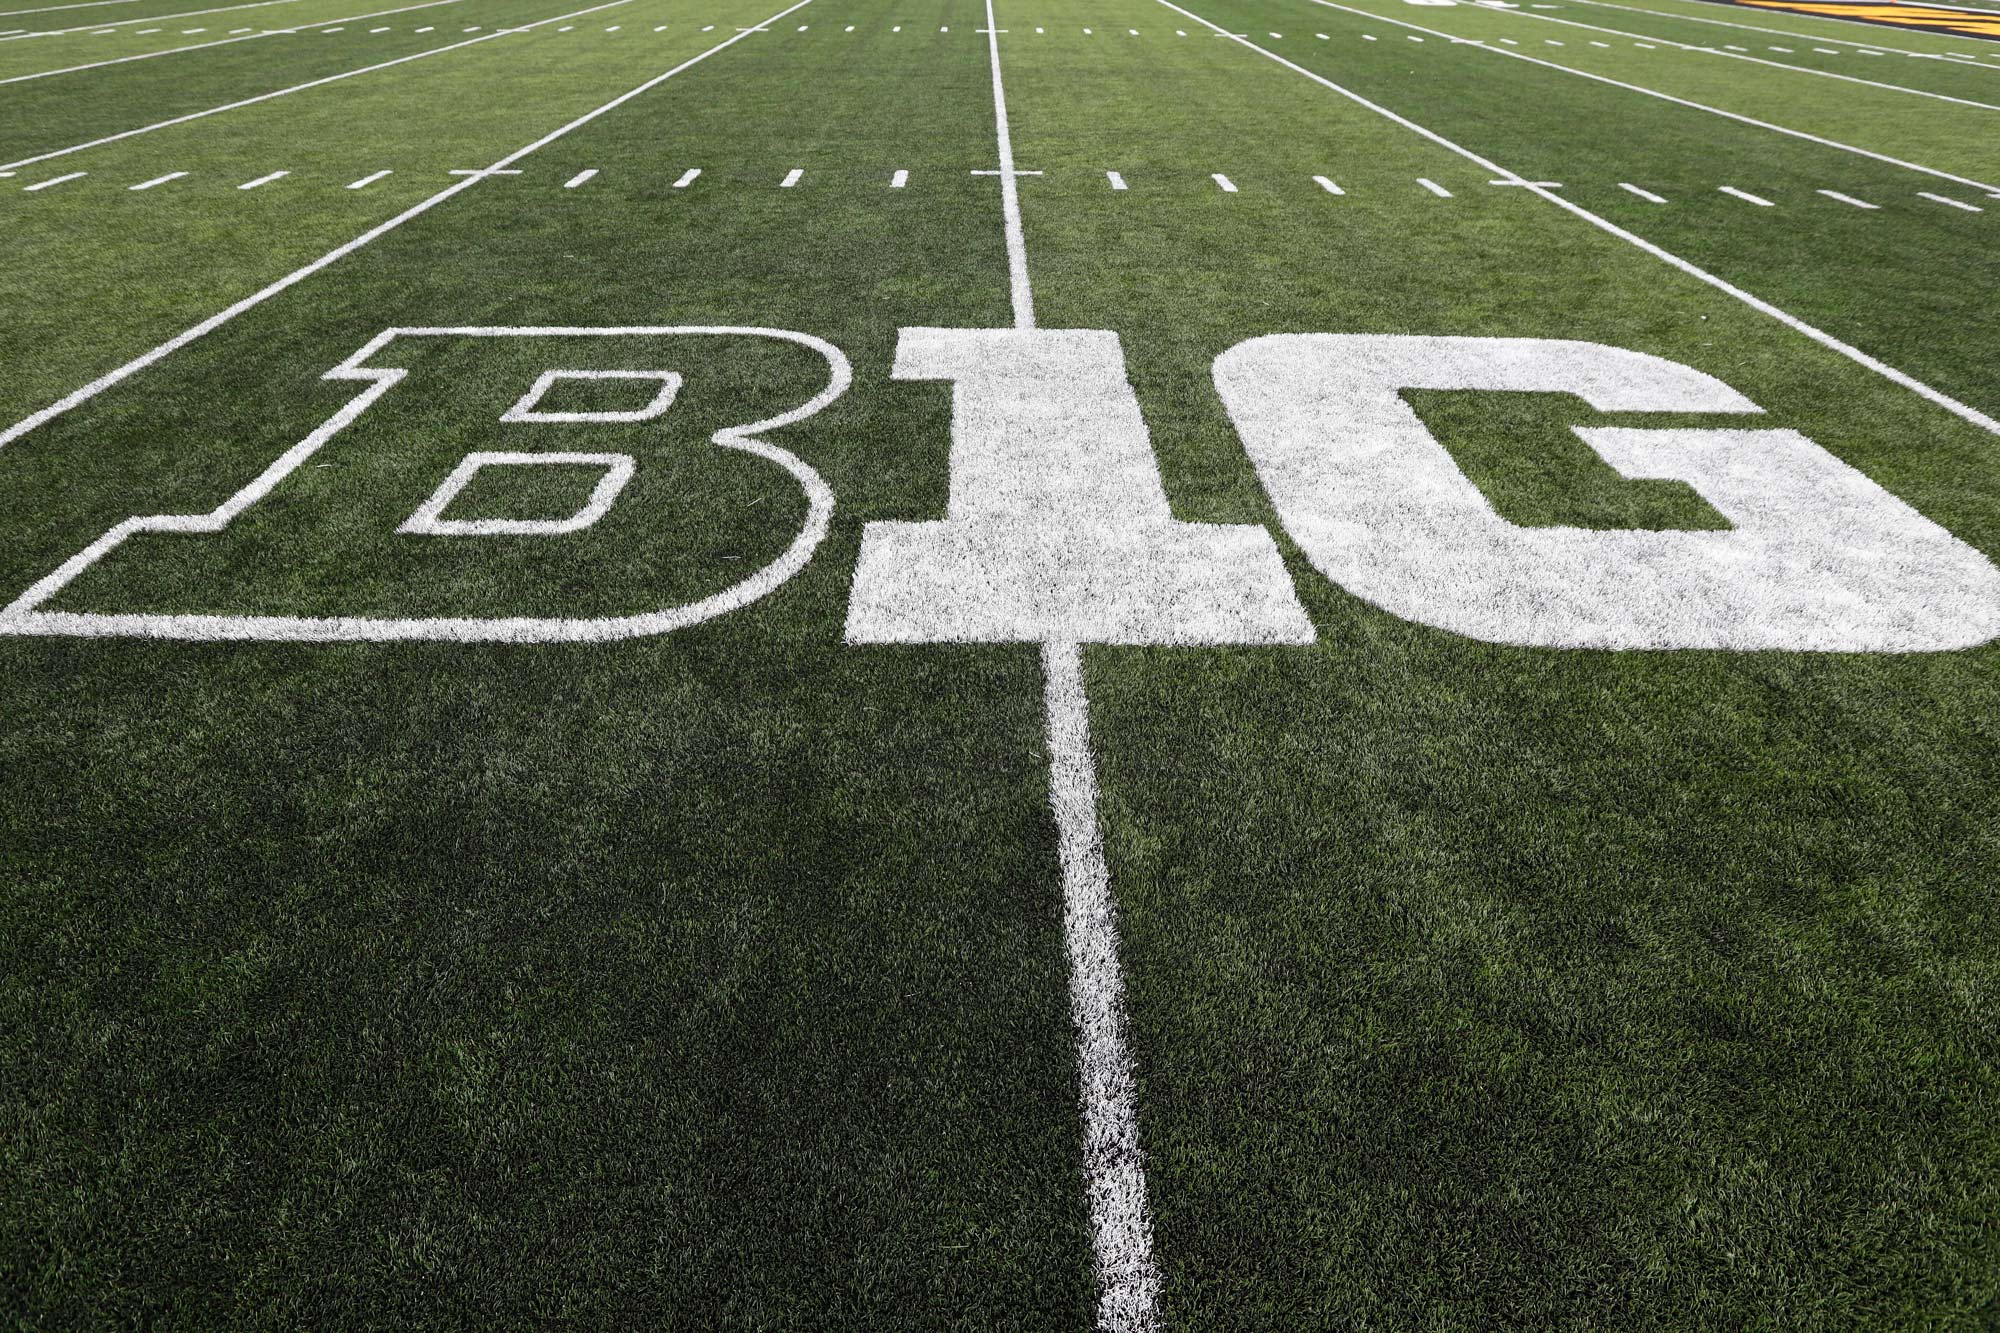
1010 193
1114 1166
257 298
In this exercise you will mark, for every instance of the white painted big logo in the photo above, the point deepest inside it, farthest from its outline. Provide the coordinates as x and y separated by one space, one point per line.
1058 527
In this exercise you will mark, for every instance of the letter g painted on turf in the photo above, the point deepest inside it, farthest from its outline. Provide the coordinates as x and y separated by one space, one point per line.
1819 558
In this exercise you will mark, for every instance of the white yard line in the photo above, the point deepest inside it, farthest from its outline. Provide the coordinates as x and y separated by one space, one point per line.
296 88
1963 411
1128 1280
1755 60
1677 101
151 18
335 255
223 41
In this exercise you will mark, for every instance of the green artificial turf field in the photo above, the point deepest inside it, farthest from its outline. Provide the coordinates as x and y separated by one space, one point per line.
931 664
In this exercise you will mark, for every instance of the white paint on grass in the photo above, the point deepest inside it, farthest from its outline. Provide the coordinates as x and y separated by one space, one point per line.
1677 101
295 88
263 180
1116 179
1849 199
157 180
1328 185
1818 558
687 178
899 180
369 180
1228 186
339 252
528 408
53 180
1746 196
1955 203
23 615
1434 188
791 178
1021 294
1963 411
429 520
1647 195
580 178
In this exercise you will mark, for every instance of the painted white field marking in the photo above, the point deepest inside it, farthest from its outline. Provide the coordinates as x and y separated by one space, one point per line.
367 181
286 92
1114 1164
1745 27
1849 199
482 171
23 617
157 180
1645 46
1821 50
1647 195
50 9
176 50
1679 101
1888 372
263 180
1228 186
1742 53
373 31
1020 293
1745 196
579 178
688 178
1539 185
53 180
429 520
1782 50
1437 189
1117 180
1328 185
1817 558
899 180
1547 41
339 252
1941 199
528 406
791 178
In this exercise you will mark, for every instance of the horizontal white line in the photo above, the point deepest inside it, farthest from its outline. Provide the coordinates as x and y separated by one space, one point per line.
687 178
157 180
791 178
1955 203
53 180
367 181
1117 181
1647 195
1434 187
1746 196
1848 199
1328 185
579 178
1228 185
263 180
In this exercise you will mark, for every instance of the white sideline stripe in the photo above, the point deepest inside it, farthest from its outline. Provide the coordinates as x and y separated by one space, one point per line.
93 28
333 256
367 181
687 178
263 180
1849 199
791 178
1963 411
1114 1170
1746 196
1117 181
579 178
1435 188
1328 185
1739 53
899 180
1020 293
1647 195
1941 199
1679 101
157 180
1745 27
53 180
1228 186
295 88
154 55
